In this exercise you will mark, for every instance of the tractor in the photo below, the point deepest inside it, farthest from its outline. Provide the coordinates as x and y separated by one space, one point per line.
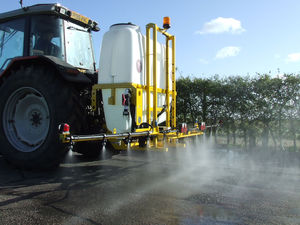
53 98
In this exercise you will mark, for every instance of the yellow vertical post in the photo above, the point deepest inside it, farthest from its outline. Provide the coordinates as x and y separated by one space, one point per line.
154 75
148 72
173 84
167 83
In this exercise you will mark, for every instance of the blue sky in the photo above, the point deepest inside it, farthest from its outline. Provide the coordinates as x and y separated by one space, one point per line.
232 37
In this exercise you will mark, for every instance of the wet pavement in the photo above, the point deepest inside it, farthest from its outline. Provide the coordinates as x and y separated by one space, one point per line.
193 186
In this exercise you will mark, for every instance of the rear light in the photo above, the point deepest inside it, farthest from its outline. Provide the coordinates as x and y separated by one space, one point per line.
184 128
66 127
202 127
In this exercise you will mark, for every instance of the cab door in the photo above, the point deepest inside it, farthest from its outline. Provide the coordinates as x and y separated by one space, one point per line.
11 41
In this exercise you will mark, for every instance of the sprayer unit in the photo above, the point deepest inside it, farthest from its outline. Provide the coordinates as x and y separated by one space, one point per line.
138 85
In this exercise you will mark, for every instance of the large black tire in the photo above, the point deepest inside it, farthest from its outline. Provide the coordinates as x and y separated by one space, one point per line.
34 100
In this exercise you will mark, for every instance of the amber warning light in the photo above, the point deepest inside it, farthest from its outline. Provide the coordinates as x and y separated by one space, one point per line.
167 23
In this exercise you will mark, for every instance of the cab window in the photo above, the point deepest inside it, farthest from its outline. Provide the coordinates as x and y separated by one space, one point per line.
11 41
46 36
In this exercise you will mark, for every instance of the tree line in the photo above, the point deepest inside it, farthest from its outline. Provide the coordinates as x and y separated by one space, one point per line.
261 108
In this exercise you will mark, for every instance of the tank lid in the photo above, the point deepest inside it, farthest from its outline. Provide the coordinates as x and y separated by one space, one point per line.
124 24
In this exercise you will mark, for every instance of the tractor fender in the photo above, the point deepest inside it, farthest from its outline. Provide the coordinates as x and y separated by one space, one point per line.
67 71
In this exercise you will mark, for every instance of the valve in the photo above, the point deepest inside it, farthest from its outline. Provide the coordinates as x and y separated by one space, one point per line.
126 102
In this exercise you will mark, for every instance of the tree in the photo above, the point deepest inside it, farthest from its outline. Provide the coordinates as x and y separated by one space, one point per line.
185 101
264 104
261 106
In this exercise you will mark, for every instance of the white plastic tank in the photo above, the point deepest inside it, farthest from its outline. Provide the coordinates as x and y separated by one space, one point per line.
122 60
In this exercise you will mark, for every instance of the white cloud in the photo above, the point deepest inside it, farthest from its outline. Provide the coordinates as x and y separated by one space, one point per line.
293 57
229 51
222 25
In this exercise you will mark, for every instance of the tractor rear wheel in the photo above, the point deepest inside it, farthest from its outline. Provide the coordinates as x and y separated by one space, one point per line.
34 101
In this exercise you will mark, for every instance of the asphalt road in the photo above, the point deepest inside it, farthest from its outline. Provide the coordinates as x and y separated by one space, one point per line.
193 186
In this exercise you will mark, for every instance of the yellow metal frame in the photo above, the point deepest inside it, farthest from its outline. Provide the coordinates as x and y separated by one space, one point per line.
137 96
169 37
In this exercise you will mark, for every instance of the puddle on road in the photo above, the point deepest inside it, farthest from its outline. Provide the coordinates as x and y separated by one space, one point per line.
211 209
211 214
